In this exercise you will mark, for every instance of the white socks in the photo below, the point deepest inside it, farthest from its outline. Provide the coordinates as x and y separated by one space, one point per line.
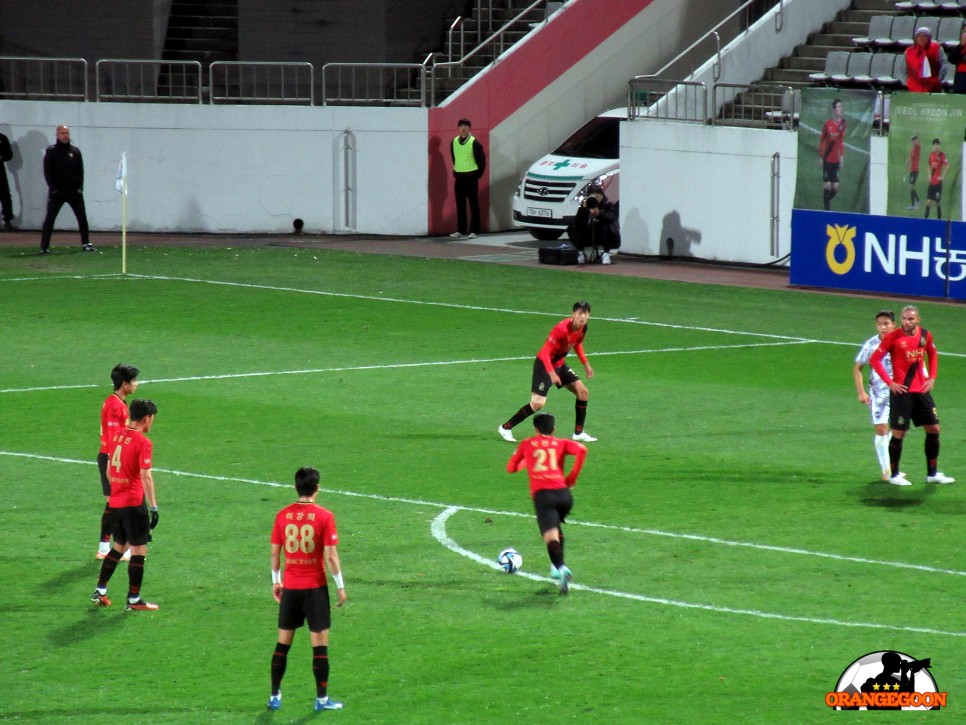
882 451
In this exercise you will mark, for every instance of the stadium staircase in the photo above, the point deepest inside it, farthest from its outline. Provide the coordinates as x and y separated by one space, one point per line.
794 70
467 32
201 30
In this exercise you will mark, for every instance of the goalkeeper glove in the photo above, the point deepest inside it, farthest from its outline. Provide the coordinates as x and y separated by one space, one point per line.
154 516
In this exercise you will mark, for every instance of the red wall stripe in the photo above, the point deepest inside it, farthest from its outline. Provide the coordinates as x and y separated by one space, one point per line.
509 85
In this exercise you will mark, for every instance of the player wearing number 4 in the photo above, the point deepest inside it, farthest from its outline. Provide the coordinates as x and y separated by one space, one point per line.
307 534
132 484
543 457
113 419
550 368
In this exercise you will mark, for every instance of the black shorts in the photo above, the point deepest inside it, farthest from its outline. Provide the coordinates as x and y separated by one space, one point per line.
830 172
913 177
540 384
132 526
935 192
552 506
916 407
305 605
102 459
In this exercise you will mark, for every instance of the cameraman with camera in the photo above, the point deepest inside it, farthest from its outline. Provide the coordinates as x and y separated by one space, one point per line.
596 226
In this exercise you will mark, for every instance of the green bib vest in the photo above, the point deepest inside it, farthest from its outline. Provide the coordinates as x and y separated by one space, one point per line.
463 159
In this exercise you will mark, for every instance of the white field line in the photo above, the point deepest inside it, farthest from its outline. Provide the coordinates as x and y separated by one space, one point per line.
439 532
450 305
351 368
438 529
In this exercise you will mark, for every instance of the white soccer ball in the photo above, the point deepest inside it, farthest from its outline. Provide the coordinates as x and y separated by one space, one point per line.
510 560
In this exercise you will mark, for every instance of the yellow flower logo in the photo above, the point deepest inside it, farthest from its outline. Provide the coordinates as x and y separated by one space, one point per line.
840 237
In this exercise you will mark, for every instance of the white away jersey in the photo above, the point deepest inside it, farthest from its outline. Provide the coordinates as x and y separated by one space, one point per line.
876 386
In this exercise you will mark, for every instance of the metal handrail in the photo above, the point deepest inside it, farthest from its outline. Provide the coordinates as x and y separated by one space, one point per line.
779 25
420 68
54 94
242 66
491 39
143 83
449 39
784 93
696 91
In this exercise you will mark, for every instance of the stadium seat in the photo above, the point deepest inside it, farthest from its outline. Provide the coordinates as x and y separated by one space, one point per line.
887 70
858 70
836 64
953 6
903 30
880 26
918 6
949 31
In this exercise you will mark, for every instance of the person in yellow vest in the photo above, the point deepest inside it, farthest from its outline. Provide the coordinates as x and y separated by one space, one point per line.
469 162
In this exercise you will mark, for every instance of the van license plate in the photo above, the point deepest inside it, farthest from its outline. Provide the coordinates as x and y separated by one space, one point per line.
537 211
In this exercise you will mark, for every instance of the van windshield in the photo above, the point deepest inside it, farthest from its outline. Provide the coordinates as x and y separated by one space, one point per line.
597 139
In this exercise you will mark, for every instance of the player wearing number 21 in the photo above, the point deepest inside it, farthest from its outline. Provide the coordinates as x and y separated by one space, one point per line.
306 533
543 456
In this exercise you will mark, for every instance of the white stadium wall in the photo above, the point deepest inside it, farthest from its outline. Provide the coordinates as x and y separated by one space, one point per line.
709 188
229 169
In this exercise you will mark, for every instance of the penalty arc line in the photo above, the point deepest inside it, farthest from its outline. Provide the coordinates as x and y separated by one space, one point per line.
518 514
438 529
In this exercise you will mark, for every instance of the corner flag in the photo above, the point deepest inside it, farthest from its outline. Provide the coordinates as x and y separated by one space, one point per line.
120 183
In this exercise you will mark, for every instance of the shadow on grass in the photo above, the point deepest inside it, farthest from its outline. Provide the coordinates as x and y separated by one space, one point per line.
64 579
268 716
90 624
880 494
541 598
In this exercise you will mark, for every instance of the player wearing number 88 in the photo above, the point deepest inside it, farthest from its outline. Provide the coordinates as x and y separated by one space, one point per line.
306 534
543 456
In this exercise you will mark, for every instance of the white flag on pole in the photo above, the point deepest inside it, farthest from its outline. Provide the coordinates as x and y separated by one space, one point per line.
121 182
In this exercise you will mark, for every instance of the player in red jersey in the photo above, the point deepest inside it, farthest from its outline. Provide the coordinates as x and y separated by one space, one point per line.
911 349
113 419
543 456
132 484
307 534
550 368
938 166
831 152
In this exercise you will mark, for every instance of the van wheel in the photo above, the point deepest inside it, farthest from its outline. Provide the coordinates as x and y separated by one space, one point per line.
545 235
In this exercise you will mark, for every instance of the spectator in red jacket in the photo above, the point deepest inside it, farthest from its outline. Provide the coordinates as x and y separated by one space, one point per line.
924 63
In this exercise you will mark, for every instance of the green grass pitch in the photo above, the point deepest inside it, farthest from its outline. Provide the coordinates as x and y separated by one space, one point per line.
732 546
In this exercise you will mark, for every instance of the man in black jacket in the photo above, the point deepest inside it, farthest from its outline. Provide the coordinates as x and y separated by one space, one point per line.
64 173
6 153
469 163
595 226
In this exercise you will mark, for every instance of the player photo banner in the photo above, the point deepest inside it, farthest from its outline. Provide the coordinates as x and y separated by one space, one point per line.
918 168
886 254
834 129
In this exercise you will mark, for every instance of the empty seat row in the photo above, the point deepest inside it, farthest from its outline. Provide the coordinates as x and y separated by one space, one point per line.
932 6
892 32
879 70
885 70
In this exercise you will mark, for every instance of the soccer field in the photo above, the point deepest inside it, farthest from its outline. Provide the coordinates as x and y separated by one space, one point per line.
732 545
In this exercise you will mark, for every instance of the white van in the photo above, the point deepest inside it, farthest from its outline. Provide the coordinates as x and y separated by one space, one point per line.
548 195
